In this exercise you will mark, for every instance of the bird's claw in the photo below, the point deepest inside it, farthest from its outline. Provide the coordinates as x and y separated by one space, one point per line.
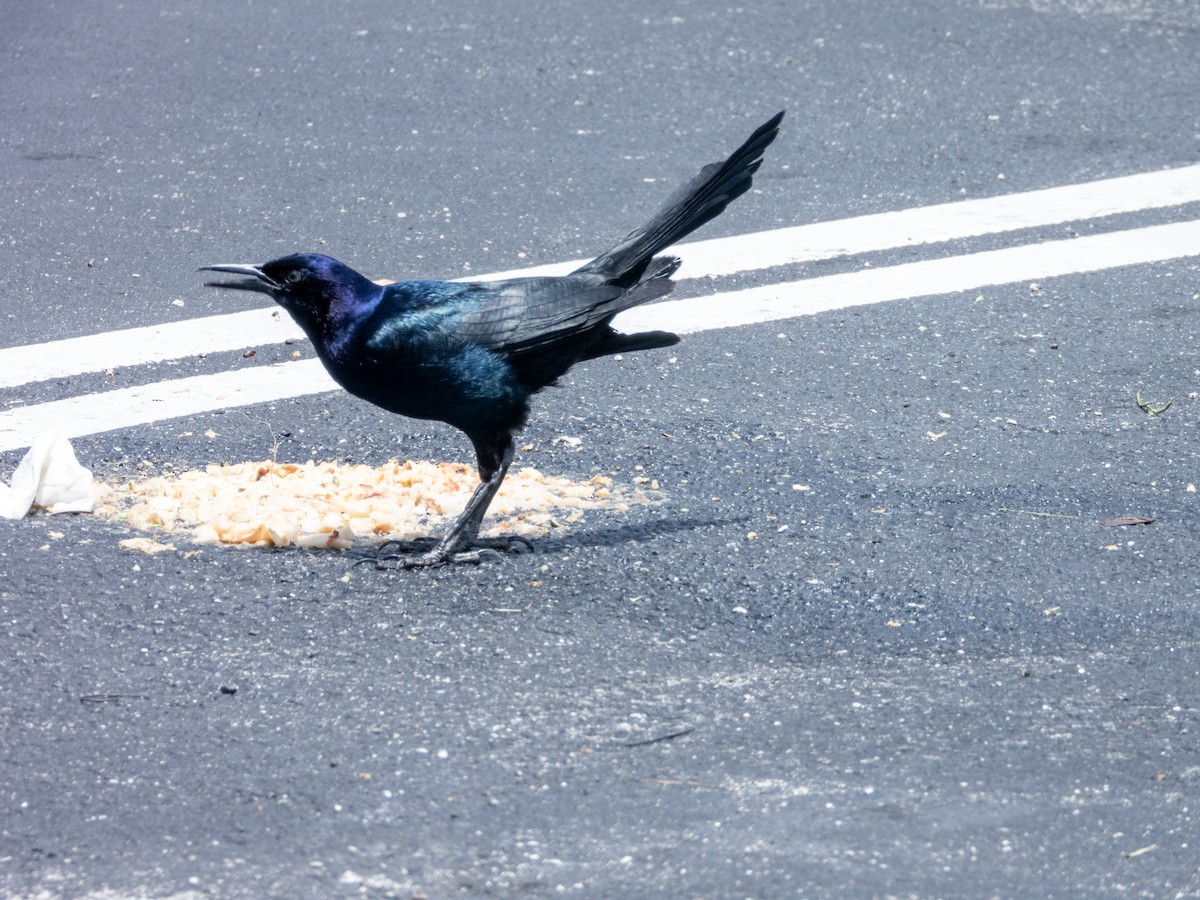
435 558
394 551
480 550
513 543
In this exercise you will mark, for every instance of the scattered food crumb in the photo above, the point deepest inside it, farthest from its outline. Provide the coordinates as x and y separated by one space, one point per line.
327 505
1132 854
145 545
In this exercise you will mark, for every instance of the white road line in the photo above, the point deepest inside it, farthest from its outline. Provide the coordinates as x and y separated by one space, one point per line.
95 413
928 278
148 344
766 249
127 407
926 224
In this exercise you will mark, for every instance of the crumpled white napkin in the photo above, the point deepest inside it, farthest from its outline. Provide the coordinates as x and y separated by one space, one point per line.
49 476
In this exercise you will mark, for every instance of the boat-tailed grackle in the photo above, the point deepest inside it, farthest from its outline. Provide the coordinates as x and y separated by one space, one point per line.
471 354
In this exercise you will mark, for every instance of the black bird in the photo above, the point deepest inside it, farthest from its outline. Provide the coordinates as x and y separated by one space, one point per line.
471 354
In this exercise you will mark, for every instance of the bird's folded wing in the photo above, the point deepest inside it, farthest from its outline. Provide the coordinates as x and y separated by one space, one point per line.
526 314
513 317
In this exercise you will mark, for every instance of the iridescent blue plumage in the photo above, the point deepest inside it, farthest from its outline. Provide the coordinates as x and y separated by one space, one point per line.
472 354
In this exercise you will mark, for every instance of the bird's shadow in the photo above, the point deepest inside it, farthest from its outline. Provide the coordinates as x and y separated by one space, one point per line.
557 543
621 534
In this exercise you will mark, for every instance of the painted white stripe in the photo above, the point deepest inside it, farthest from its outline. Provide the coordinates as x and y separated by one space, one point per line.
127 407
921 279
153 343
723 256
925 224
96 413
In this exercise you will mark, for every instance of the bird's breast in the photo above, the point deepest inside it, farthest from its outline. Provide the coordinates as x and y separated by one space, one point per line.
427 377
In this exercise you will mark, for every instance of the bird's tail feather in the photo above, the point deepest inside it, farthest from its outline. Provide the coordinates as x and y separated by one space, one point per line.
656 282
695 202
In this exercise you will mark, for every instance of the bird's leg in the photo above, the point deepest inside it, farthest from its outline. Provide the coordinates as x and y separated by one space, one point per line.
459 543
465 530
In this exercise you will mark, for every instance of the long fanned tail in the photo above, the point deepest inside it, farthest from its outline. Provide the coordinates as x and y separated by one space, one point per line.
695 202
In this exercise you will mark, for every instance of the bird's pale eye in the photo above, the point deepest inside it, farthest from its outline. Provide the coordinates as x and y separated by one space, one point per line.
294 276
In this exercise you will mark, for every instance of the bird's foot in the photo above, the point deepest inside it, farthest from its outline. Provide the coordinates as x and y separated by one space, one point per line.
392 549
434 558
406 554
513 543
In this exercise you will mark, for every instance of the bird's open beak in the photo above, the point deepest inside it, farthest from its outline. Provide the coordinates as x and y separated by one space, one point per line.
242 269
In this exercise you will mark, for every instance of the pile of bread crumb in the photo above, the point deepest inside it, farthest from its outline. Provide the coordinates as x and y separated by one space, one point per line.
329 504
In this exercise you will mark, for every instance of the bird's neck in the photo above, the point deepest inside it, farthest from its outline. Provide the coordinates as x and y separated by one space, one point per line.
350 307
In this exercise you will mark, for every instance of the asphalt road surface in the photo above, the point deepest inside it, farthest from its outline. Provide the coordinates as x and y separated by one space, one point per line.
873 637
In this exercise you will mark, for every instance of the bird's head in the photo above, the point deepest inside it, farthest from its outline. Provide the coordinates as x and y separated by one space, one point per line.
312 287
